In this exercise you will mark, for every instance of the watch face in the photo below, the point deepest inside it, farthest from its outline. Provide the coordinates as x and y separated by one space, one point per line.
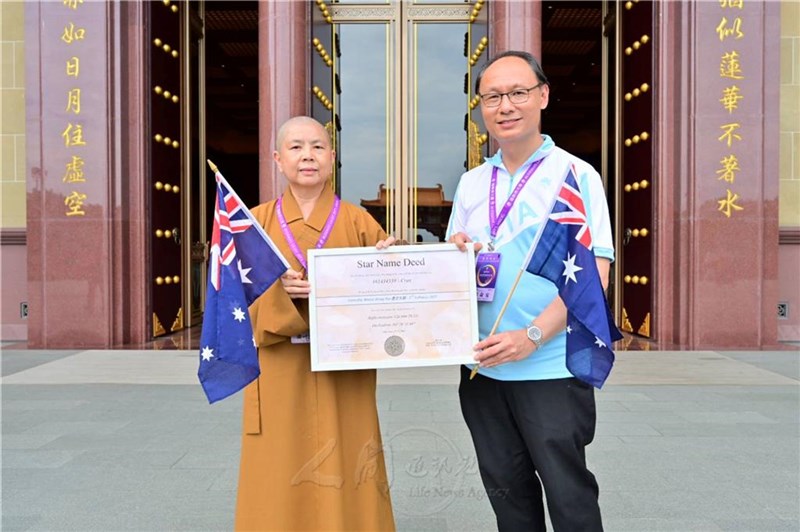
535 333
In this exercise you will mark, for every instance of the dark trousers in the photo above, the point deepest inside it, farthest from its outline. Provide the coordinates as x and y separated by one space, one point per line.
524 431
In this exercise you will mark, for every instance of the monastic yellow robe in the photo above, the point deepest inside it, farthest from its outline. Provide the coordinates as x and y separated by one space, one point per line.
312 456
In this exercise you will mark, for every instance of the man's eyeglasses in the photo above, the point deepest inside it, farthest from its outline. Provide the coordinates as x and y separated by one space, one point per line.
493 99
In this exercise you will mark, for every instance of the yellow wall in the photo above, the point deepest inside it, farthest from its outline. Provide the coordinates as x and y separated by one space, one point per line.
789 206
12 115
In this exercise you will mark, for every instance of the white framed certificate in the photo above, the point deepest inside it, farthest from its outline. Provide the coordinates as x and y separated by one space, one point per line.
398 307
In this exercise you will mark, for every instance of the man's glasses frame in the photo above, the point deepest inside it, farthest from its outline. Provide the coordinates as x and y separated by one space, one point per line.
516 96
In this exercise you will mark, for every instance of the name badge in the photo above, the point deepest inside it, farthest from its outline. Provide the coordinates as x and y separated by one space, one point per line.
301 339
487 266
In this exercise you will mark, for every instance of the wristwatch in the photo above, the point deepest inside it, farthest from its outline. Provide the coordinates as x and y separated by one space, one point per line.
535 335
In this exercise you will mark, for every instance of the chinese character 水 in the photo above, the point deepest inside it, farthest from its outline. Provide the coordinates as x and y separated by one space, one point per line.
729 204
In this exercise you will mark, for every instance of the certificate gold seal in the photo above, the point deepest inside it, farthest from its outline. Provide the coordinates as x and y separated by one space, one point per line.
394 346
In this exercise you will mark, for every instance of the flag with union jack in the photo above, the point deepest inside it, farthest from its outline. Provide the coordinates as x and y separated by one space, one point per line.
244 263
562 252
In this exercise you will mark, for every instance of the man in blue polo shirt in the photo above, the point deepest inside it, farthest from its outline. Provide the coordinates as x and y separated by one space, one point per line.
530 419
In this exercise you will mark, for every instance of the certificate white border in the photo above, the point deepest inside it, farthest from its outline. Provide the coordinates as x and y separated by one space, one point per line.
472 321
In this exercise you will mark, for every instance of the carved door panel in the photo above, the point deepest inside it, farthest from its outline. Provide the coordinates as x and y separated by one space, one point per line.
636 60
163 133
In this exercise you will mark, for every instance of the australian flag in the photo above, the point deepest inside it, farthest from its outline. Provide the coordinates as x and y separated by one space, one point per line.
244 263
563 254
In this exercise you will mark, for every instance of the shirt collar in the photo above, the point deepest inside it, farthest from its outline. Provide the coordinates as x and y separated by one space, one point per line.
292 213
546 147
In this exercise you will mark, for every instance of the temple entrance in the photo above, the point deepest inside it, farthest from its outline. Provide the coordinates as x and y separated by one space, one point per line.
598 56
392 83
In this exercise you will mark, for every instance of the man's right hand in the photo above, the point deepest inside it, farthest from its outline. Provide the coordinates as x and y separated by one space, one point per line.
461 240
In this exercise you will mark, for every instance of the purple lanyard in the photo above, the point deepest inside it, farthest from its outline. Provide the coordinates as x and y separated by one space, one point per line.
496 220
287 233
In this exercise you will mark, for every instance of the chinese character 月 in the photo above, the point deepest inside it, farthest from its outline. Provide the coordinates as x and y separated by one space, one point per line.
729 134
72 34
74 173
75 204
729 66
73 135
730 165
735 29
729 204
730 98
74 101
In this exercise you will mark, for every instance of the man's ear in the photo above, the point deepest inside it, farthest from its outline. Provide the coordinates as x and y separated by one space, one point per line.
545 96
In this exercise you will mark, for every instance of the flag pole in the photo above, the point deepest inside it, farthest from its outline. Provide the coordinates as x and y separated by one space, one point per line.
218 175
524 267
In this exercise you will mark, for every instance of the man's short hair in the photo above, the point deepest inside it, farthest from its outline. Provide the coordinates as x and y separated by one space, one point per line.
525 56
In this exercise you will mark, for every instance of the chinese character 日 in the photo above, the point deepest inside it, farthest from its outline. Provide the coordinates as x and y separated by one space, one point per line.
73 67
725 32
730 165
729 66
74 173
72 34
729 204
75 204
73 135
730 98
729 133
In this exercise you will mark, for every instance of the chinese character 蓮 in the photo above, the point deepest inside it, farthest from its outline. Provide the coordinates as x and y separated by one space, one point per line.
730 165
729 133
729 66
72 4
729 204
731 4
75 204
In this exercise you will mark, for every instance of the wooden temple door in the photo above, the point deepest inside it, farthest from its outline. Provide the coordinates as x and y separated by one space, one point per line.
165 171
635 57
